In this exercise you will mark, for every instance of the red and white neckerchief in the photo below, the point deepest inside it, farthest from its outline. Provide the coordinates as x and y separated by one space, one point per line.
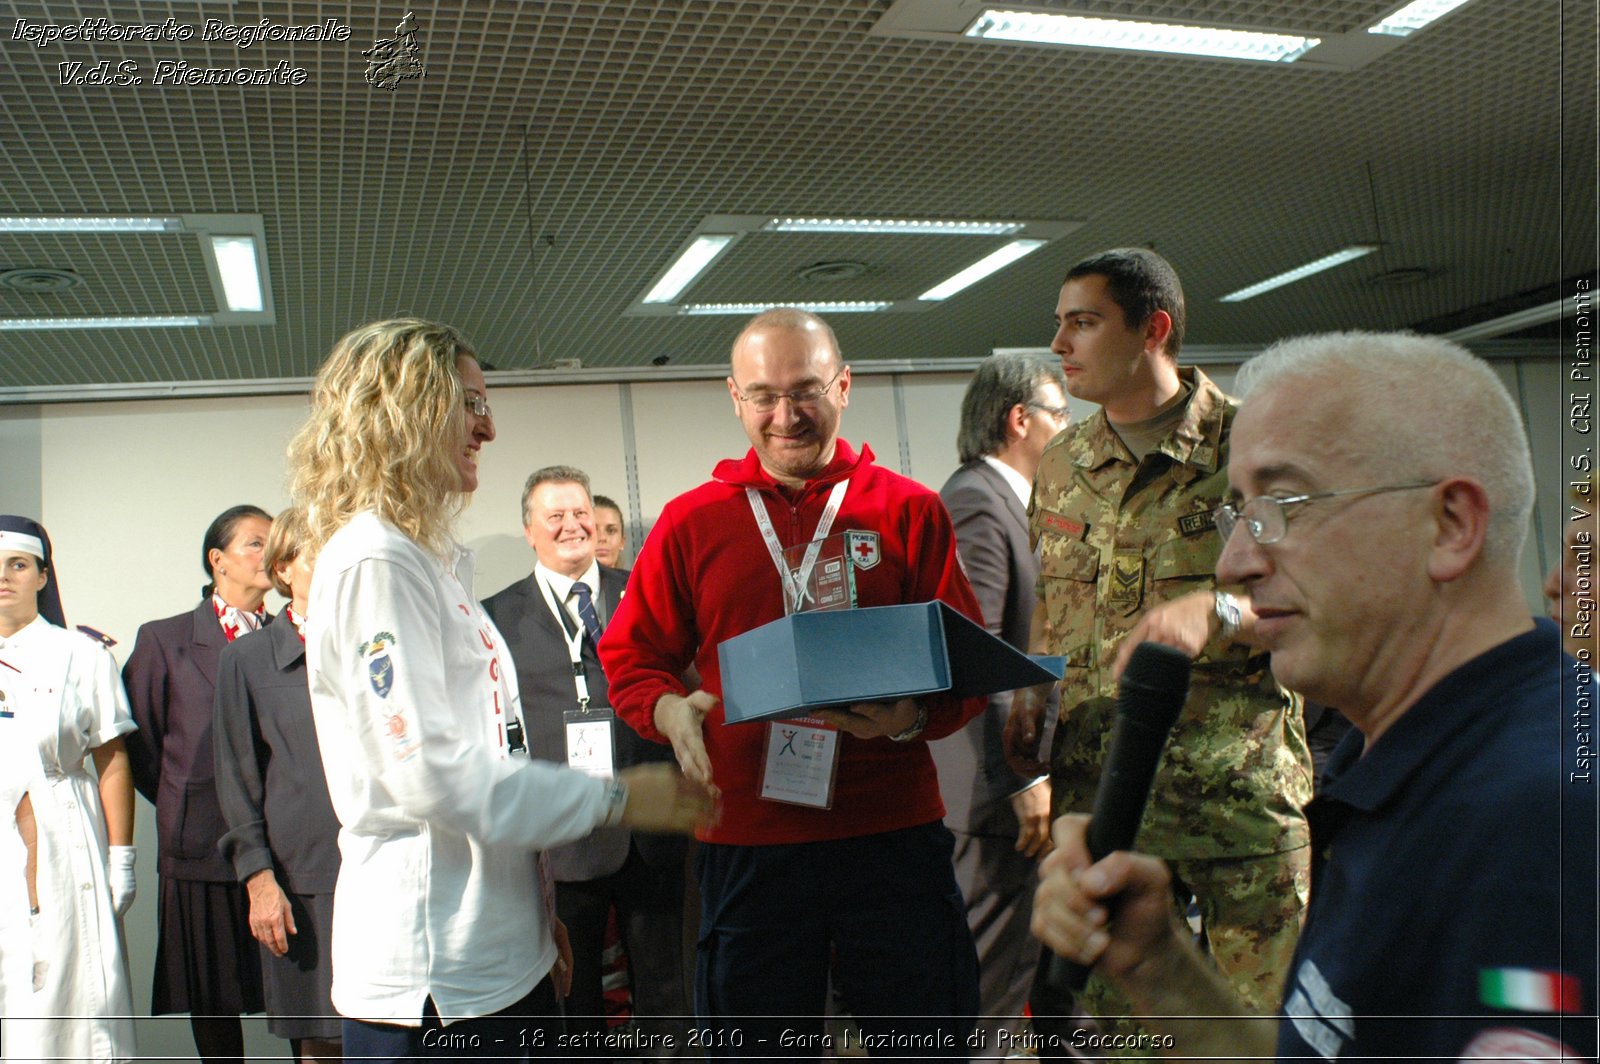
236 622
297 620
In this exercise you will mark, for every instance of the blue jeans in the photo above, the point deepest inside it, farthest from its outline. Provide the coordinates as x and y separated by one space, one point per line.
528 1028
881 914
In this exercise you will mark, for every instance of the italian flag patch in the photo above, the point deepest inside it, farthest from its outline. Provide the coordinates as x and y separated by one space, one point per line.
1530 990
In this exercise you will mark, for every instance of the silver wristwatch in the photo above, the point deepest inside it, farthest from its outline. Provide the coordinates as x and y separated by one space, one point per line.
616 802
915 729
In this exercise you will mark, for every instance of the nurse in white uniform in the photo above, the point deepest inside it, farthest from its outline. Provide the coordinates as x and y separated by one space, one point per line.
61 706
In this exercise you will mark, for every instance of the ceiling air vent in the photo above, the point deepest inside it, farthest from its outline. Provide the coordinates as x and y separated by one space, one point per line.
841 270
1400 276
37 281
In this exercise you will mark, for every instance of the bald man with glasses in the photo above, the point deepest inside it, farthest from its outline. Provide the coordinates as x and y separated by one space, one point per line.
844 875
1377 542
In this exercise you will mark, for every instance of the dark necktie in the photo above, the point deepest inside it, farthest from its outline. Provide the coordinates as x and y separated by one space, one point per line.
591 620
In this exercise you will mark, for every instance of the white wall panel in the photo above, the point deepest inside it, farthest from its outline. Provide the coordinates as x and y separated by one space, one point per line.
682 428
129 488
20 460
870 418
933 414
578 425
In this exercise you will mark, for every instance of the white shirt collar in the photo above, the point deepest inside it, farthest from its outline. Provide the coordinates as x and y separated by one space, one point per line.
561 585
1019 483
32 630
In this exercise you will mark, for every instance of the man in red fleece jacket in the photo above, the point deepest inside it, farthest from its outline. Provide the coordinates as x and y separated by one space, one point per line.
854 881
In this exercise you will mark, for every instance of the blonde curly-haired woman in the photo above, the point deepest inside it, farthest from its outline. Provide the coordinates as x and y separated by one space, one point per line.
443 938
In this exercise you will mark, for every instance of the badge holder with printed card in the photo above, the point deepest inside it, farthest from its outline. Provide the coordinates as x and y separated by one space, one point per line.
589 729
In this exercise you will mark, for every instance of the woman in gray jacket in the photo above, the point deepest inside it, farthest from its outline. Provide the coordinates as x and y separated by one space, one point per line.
283 838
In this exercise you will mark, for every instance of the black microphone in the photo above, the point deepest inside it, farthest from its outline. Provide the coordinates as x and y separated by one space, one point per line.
1153 689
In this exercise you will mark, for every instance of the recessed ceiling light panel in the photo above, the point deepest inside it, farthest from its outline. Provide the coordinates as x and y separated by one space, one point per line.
777 235
1413 17
905 226
24 224
990 263
1327 262
241 280
695 258
856 307
134 322
1034 27
232 248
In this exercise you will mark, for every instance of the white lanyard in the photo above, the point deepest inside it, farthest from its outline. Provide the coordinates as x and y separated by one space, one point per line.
574 638
794 584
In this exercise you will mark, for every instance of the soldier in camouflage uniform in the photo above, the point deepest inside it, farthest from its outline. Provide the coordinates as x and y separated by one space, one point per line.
1122 518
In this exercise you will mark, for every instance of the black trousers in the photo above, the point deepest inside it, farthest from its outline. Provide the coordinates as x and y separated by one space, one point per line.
649 903
880 915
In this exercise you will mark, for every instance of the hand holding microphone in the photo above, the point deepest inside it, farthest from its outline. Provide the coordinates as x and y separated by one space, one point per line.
1154 685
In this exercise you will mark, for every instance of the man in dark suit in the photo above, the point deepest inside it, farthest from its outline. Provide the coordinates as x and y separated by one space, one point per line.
551 622
1013 406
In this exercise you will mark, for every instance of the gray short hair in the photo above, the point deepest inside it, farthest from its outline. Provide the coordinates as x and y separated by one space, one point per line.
554 474
1002 381
1428 409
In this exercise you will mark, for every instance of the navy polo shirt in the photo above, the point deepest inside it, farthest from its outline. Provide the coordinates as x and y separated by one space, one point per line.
1453 874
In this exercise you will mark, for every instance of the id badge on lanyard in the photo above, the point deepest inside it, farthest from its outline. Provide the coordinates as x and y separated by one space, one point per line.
801 756
590 736
800 762
590 739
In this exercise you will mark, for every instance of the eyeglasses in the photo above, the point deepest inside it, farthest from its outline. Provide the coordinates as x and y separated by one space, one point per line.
478 406
766 402
1057 412
1266 517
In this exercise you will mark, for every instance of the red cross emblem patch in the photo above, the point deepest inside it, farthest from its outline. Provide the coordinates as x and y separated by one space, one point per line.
863 549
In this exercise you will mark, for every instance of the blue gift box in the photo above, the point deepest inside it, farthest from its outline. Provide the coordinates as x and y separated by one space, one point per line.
875 654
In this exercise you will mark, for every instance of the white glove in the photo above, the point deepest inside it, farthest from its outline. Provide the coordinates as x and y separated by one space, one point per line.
123 887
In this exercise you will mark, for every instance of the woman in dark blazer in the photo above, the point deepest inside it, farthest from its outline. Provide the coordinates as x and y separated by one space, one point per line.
283 839
206 961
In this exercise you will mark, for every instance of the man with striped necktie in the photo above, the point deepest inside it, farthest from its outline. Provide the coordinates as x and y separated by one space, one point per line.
552 621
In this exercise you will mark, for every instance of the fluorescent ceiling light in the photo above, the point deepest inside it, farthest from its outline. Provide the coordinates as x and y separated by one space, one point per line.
1554 310
241 280
1327 262
1414 16
1039 28
909 227
135 322
995 260
856 307
16 224
694 259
